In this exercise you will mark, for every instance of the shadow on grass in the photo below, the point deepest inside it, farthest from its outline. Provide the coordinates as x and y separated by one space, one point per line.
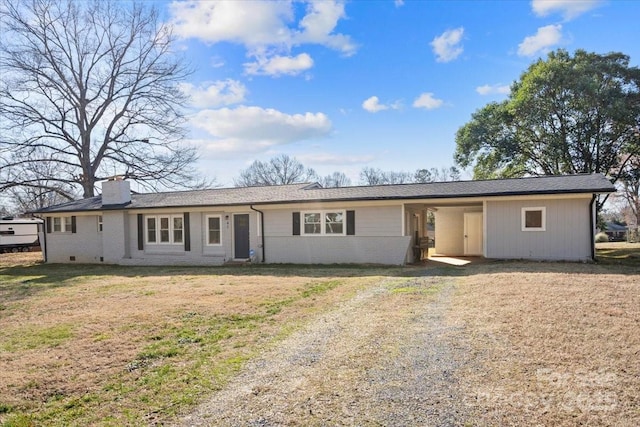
18 282
619 256
625 261
21 281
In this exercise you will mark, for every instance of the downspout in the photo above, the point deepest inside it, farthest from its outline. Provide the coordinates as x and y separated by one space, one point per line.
264 251
44 240
592 228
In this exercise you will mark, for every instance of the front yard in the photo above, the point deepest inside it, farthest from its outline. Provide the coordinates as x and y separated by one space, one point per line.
553 344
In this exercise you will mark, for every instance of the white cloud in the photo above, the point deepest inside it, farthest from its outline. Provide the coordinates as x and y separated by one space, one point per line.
248 23
215 94
255 129
279 65
266 28
217 62
543 39
496 89
399 3
447 46
372 105
318 24
568 8
334 159
426 100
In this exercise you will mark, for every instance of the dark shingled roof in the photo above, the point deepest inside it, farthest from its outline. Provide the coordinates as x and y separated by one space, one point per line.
306 193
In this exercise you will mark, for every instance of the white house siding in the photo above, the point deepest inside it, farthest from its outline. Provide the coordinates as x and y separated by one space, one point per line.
200 253
449 229
567 235
116 236
85 244
332 250
378 238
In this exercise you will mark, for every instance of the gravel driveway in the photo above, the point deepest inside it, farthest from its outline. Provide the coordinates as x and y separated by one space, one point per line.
384 357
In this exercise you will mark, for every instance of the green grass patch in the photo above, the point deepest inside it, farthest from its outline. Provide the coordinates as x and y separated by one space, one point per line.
620 254
29 338
178 360
19 420
421 290
313 289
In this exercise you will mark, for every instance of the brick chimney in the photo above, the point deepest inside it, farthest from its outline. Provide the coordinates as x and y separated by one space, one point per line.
116 191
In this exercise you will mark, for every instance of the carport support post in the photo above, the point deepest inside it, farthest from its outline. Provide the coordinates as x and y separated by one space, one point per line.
592 227
484 228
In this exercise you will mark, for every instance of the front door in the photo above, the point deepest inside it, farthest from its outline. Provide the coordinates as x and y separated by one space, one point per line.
473 233
241 236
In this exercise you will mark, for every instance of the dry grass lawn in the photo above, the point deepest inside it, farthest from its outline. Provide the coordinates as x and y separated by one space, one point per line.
555 344
106 345
548 343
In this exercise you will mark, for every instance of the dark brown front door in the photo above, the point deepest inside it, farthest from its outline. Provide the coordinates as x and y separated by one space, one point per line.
241 236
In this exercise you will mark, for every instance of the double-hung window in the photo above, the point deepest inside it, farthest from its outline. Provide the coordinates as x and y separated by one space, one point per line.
324 223
165 229
178 229
334 222
214 230
62 224
312 223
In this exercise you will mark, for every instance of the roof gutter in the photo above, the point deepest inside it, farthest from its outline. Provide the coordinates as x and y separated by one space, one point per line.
592 229
329 200
264 251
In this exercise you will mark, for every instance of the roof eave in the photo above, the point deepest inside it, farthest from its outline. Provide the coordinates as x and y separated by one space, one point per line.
132 206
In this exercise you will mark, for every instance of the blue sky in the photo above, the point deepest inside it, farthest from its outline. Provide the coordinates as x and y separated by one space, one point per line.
384 84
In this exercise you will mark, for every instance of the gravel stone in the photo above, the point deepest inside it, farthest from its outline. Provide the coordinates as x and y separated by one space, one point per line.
382 358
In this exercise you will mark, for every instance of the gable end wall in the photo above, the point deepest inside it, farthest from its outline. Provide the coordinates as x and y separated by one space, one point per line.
566 238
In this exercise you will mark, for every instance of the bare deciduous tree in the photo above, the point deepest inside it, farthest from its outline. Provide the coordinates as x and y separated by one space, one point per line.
90 89
335 180
372 176
437 175
36 190
280 170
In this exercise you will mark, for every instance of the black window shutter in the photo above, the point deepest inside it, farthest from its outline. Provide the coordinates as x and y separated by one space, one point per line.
73 224
187 232
48 225
351 223
296 223
140 232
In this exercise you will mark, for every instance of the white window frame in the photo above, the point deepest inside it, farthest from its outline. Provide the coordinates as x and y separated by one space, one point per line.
207 230
323 223
534 209
303 223
57 228
174 229
157 232
62 224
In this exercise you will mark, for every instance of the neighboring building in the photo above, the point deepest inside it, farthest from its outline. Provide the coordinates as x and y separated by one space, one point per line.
19 234
545 218
615 232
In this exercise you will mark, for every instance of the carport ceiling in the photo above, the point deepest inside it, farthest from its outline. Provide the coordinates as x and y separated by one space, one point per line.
442 204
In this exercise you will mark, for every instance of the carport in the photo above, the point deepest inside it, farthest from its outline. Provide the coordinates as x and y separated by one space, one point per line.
458 230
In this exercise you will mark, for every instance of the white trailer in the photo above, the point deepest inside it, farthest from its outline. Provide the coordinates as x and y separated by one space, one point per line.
19 234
